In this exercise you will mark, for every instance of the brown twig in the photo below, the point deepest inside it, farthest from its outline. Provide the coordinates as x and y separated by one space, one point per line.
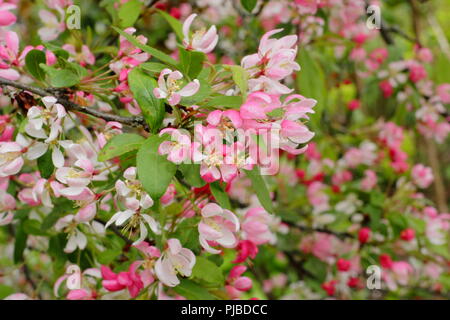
130 121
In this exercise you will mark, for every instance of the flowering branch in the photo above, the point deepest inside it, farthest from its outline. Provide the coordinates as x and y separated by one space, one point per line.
131 121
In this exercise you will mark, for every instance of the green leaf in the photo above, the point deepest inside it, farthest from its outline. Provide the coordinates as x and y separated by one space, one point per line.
192 291
6 291
316 267
175 24
142 85
60 78
240 77
249 5
32 61
20 243
220 195
276 113
154 52
229 102
120 144
207 271
191 62
129 12
154 67
260 188
33 227
155 171
202 93
45 164
311 82
191 173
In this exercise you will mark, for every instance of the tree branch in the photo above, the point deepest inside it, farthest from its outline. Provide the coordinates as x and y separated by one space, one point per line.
130 121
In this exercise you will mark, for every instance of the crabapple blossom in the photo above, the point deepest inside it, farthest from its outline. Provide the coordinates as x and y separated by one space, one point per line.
218 226
178 149
201 40
174 260
170 87
422 176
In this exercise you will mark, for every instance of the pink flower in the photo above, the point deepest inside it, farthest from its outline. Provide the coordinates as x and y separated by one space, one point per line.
422 176
386 88
245 249
236 283
52 27
7 205
443 92
275 58
417 72
169 195
408 234
257 105
170 88
218 227
225 120
7 18
201 40
343 265
256 226
364 235
354 104
130 280
174 260
11 160
402 271
84 57
111 129
178 148
135 199
369 181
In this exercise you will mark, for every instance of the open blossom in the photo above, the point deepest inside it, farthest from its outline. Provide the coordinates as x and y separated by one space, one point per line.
170 87
422 176
174 260
275 58
201 40
218 226
77 239
256 226
178 148
52 26
136 200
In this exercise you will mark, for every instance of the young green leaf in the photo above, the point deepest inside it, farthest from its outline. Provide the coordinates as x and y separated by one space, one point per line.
220 195
120 144
142 85
45 164
249 5
191 173
154 52
260 188
32 61
191 290
191 62
175 24
208 272
129 12
155 171
60 78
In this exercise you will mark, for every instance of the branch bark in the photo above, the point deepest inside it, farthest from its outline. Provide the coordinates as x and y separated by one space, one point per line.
130 121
